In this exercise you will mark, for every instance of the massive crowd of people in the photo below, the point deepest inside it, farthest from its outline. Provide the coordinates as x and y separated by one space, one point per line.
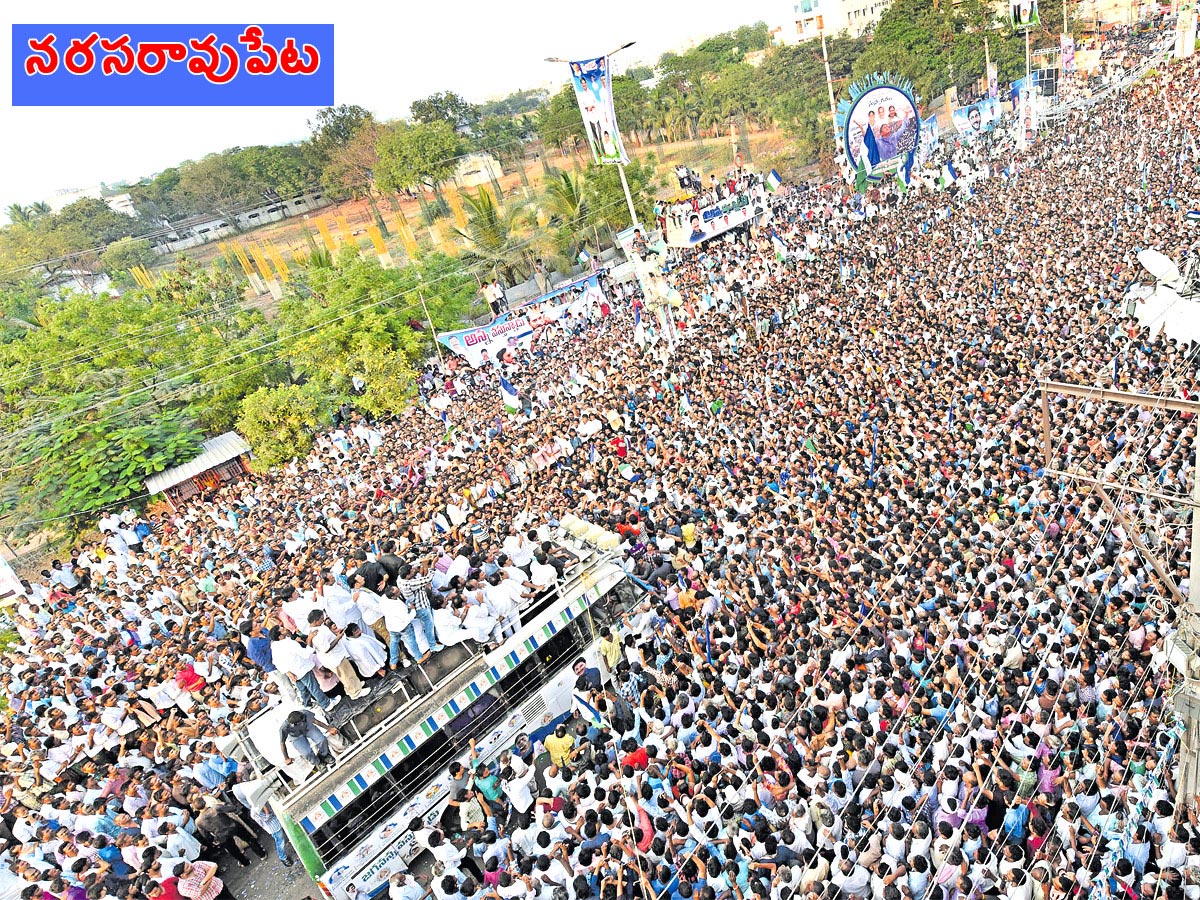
887 655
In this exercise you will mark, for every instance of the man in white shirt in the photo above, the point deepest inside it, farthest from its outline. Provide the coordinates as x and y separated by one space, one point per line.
332 655
297 662
541 574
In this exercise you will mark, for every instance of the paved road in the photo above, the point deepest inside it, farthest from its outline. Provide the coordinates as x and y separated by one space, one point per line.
268 879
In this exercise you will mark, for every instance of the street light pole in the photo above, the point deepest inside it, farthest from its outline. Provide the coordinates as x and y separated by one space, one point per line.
433 331
829 88
987 63
633 219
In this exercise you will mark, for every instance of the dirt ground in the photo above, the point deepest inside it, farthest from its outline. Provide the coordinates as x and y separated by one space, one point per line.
291 236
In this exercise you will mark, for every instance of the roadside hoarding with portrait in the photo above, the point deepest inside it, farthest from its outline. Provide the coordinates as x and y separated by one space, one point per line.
977 118
882 127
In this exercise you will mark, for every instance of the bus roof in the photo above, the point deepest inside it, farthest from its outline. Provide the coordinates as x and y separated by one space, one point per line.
398 733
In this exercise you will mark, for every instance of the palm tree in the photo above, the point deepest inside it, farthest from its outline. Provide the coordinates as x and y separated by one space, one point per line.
566 204
26 215
565 200
494 235
658 113
19 215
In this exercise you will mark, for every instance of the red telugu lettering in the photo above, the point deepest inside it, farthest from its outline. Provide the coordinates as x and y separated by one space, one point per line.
289 59
81 47
35 65
198 65
252 37
152 58
114 65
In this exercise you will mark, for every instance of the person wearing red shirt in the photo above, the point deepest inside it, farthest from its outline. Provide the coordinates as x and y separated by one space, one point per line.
167 890
620 445
635 756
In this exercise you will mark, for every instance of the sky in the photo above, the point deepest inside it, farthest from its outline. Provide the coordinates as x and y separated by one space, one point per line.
383 62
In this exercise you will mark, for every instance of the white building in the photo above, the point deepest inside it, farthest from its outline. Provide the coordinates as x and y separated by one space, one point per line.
475 169
122 203
806 19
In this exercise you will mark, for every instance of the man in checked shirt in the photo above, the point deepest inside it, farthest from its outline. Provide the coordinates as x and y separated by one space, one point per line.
413 585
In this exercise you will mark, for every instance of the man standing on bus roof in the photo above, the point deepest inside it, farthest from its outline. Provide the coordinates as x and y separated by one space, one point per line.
299 734
414 588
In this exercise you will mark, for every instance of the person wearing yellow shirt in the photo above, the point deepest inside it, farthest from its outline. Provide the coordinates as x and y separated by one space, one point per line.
610 648
559 746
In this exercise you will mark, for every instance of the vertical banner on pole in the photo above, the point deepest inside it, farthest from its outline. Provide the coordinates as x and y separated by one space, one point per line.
256 282
460 215
381 250
406 235
240 252
344 230
993 81
592 80
447 237
323 228
264 268
278 261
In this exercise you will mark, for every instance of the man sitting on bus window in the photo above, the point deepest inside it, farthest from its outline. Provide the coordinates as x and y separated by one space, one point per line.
300 735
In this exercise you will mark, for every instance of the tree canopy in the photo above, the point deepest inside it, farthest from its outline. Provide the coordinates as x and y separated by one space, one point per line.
127 386
414 156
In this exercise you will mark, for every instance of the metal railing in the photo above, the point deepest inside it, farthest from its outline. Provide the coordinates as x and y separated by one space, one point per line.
1062 110
588 560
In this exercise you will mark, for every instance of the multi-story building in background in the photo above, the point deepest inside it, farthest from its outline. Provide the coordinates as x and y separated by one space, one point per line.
805 19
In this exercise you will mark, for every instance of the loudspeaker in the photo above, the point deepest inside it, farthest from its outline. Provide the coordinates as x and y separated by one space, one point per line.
1047 82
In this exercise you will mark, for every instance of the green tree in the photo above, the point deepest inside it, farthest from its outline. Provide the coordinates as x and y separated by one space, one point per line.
505 139
496 236
159 198
217 184
605 197
83 460
125 254
515 104
284 170
416 157
629 104
559 122
448 107
350 171
279 422
96 222
333 128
